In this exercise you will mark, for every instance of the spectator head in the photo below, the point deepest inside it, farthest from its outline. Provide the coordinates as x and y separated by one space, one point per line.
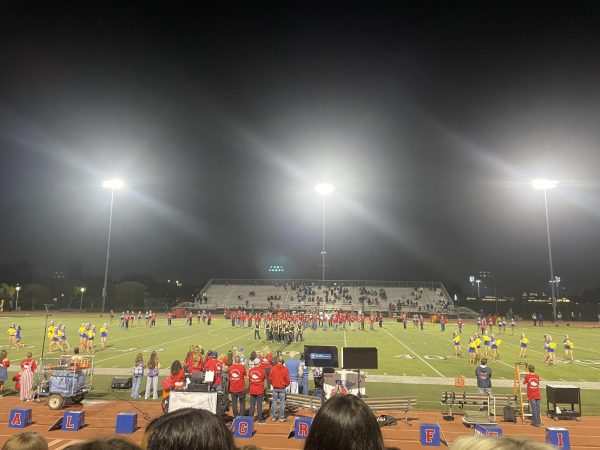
176 367
237 359
280 359
354 423
256 362
188 428
76 350
483 361
502 443
26 441
29 355
113 443
531 368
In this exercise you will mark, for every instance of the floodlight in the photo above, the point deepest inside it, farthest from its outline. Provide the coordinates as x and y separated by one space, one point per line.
324 189
543 184
114 184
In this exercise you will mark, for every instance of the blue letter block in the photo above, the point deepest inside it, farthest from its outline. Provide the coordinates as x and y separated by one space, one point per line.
302 427
126 423
559 438
73 420
243 427
488 431
19 418
430 434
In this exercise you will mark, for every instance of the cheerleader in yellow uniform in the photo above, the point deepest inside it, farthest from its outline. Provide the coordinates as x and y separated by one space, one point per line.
486 344
104 336
523 341
456 341
546 346
477 347
472 350
91 333
63 338
495 344
82 336
551 358
12 333
56 338
568 344
50 333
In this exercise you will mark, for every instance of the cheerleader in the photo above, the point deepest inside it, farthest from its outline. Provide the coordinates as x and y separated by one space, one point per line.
512 326
456 341
568 344
91 333
18 337
55 341
12 331
63 337
546 347
486 344
495 344
551 358
104 336
50 333
81 334
472 350
523 341
477 347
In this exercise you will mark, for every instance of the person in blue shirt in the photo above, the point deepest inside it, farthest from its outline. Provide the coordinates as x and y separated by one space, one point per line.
293 366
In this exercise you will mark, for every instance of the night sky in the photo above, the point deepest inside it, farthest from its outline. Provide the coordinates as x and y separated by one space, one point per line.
430 118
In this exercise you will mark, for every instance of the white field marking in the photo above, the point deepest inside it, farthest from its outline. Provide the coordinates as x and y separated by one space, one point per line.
414 353
423 375
173 340
541 353
345 345
436 335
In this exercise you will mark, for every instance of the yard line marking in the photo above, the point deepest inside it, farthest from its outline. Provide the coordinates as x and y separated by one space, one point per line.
137 349
345 345
414 353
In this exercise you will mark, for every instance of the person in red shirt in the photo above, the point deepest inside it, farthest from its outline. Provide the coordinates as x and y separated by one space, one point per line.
237 387
256 377
280 380
212 364
532 380
29 361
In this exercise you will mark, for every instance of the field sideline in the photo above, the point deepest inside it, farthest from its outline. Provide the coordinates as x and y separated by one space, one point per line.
410 352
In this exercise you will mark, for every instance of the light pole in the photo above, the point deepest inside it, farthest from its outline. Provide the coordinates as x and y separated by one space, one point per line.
113 184
542 184
17 289
82 290
323 189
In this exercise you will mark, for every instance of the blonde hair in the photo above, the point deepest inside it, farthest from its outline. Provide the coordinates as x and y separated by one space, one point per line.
26 441
502 443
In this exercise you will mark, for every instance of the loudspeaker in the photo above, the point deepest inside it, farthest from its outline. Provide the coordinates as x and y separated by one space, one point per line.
198 387
121 383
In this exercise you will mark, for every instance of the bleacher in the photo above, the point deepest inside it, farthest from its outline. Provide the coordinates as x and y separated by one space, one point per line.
388 296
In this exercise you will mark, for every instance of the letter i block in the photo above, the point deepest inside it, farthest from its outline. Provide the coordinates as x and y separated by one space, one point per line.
73 420
19 418
126 423
430 434
302 427
487 431
243 427
559 438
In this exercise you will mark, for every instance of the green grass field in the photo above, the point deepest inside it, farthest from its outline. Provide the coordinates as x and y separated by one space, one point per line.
410 352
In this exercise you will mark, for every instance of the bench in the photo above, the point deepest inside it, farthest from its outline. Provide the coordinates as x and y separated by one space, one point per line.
385 403
299 401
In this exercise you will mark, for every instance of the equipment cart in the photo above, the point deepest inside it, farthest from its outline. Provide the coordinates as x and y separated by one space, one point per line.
565 395
65 380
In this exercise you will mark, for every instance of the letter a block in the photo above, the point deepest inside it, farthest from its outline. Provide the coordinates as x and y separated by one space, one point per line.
487 431
243 427
19 418
558 437
430 434
73 420
126 423
301 427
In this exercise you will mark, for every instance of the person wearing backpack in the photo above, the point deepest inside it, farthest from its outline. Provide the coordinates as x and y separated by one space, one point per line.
138 374
152 380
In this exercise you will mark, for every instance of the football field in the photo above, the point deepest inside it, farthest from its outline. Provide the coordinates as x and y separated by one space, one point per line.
408 356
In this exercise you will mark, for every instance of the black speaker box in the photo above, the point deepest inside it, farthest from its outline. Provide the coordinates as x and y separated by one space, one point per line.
121 383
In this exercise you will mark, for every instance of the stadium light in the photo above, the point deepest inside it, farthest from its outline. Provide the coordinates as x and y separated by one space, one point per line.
323 189
113 184
17 289
82 290
543 184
